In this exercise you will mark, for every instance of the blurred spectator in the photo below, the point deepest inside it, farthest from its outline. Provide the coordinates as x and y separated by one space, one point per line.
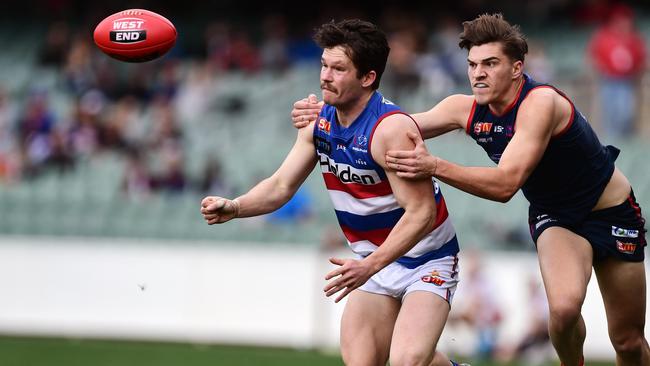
9 157
34 127
537 63
297 209
534 347
479 308
212 181
78 71
402 76
195 91
60 156
274 50
56 45
332 239
136 180
617 50
231 49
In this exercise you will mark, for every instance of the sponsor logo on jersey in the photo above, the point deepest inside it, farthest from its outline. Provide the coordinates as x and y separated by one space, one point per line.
360 143
341 147
324 125
545 219
434 277
626 248
347 173
386 101
323 145
624 233
482 127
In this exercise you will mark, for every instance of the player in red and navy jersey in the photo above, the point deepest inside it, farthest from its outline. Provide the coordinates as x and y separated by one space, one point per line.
401 283
583 212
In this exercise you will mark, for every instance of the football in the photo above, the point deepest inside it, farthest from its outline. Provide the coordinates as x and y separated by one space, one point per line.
135 35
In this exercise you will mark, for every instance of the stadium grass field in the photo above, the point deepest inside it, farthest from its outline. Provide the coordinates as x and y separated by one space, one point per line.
17 351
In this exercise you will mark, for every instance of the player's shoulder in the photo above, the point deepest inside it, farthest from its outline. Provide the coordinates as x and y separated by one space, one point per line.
542 97
396 122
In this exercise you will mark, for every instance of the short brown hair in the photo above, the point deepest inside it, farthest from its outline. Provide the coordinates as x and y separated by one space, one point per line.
364 43
493 28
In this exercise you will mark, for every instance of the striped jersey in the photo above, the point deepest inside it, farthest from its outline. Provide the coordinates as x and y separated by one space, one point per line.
362 197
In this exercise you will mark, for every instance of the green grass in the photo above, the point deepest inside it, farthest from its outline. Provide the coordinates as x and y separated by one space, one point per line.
16 351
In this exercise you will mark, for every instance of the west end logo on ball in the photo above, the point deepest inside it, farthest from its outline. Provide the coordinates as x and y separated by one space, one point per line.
128 30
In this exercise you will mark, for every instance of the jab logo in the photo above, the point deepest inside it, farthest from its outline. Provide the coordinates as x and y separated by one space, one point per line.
624 233
625 248
482 127
341 147
128 30
434 278
324 125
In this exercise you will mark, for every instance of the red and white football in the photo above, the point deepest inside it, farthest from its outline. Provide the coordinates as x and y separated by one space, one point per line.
135 35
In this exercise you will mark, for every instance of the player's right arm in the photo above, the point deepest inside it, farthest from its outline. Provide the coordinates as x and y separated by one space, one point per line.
448 115
271 193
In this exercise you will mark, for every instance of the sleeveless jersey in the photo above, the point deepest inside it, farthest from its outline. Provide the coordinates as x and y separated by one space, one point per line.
575 167
362 197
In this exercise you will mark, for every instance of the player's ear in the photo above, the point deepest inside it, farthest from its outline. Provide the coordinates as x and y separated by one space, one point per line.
517 69
368 79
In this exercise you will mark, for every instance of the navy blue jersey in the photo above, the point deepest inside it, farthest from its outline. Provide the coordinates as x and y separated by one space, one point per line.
572 173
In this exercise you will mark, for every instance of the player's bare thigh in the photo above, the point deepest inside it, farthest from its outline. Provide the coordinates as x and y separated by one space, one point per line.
623 287
565 260
366 328
418 327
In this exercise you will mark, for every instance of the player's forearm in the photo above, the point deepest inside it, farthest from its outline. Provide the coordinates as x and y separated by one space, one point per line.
267 196
408 231
487 182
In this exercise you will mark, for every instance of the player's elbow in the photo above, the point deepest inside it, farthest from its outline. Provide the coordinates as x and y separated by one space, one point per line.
425 215
506 192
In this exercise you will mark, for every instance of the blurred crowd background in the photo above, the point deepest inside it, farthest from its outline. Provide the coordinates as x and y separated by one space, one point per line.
94 147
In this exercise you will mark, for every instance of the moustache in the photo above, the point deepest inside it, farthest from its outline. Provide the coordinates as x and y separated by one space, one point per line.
328 88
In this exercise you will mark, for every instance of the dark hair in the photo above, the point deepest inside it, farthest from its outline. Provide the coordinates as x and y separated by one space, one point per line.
493 28
364 43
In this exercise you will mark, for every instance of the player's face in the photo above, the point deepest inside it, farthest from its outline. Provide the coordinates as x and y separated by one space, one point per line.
338 78
491 73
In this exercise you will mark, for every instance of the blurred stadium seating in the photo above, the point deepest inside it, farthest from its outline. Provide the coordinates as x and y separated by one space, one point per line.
246 127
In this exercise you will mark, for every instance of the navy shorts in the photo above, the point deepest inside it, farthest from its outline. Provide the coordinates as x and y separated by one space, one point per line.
617 232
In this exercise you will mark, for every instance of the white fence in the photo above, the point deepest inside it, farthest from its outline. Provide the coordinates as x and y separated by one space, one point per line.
230 293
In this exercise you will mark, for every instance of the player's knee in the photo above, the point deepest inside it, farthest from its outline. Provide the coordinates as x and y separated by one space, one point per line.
564 313
411 357
628 343
352 358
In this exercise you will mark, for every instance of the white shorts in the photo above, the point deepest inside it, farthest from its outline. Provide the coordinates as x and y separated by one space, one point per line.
439 276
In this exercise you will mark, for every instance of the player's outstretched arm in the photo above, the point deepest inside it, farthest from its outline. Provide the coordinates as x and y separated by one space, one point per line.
271 193
448 115
415 196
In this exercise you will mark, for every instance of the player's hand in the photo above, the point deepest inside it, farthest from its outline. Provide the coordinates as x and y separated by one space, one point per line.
348 276
305 111
412 164
217 210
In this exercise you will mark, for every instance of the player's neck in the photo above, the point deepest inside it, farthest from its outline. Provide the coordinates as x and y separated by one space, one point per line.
347 114
509 98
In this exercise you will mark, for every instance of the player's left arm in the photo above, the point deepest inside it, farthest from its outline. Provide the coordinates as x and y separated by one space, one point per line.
536 121
416 197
